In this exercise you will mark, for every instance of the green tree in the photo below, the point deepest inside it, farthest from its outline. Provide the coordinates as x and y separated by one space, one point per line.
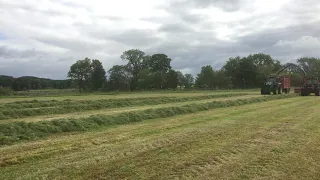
310 65
248 72
5 91
159 79
205 78
265 65
159 65
135 62
6 81
172 79
81 72
188 80
159 62
98 76
146 79
232 70
119 78
296 79
26 83
261 59
221 80
181 79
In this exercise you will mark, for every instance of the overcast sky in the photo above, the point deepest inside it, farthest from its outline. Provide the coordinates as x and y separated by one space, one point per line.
44 37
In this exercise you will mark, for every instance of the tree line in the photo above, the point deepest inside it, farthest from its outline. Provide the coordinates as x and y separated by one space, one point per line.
147 72
33 83
141 72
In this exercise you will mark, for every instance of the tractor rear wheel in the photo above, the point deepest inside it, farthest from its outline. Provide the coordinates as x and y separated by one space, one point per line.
280 90
274 91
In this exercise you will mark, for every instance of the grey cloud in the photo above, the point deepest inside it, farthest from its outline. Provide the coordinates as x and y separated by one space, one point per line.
215 52
292 50
194 57
15 62
175 28
227 5
74 5
35 68
270 37
75 45
30 8
192 18
6 52
112 18
190 40
135 37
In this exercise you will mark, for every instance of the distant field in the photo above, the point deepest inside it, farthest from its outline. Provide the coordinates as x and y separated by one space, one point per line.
189 135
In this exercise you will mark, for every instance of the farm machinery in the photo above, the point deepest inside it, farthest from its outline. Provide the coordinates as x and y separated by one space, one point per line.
309 85
277 84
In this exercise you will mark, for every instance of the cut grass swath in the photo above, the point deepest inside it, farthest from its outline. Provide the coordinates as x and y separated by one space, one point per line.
20 110
52 103
18 131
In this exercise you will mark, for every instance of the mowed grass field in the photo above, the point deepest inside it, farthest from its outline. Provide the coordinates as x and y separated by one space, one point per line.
198 135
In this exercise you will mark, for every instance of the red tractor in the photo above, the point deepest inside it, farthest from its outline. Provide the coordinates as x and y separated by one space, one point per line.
310 85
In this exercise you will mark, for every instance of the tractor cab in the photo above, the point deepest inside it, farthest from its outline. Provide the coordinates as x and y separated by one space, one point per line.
271 85
271 80
310 85
311 81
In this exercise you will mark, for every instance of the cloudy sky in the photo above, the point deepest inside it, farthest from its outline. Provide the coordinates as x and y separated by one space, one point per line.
44 37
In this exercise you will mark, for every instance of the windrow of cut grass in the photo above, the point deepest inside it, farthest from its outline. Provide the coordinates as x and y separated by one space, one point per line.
69 102
19 131
112 111
34 108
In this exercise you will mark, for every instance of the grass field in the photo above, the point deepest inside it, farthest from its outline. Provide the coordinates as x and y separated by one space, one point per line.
242 136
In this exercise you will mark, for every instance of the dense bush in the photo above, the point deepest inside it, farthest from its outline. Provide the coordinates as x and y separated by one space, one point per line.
17 131
5 91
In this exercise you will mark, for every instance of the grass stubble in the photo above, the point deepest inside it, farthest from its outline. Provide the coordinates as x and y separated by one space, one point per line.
20 131
269 140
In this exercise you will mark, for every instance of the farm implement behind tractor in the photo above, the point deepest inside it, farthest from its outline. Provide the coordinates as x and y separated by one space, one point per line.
310 85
